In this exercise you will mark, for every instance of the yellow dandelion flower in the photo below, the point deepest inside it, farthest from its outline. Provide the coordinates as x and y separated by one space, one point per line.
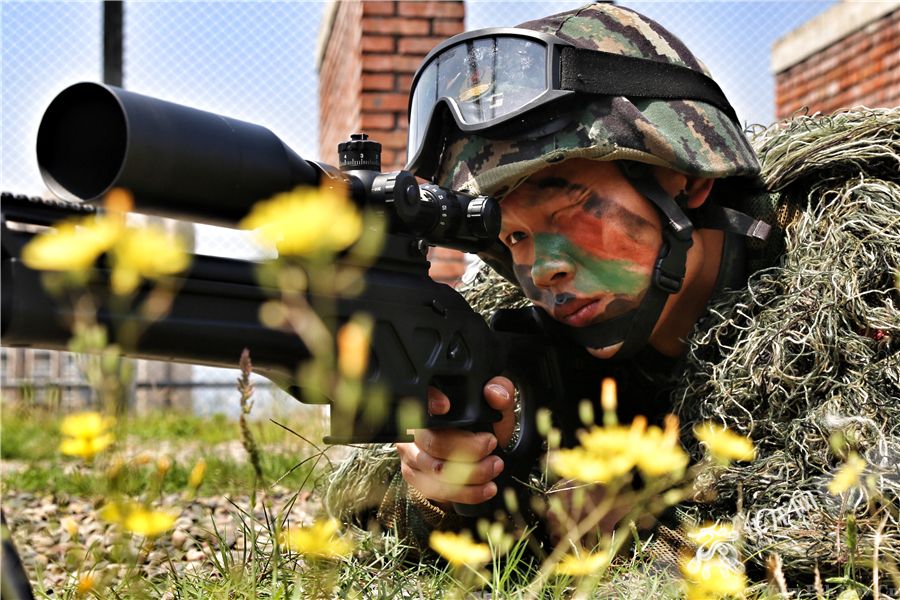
86 424
306 221
72 245
459 549
589 467
724 445
713 533
195 479
353 341
713 578
148 523
656 461
86 434
579 566
319 539
658 452
86 584
139 519
848 475
113 512
86 448
147 253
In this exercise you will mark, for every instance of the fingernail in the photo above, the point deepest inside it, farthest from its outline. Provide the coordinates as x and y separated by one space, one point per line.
500 390
489 490
498 466
492 443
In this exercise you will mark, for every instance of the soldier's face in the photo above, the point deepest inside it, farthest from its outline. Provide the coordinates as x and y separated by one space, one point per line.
583 241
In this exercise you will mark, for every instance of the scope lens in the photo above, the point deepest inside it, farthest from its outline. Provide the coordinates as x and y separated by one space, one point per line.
81 142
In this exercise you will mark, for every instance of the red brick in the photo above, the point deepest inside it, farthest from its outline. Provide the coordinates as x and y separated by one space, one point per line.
377 43
447 27
391 160
432 9
377 82
380 63
395 25
385 102
389 138
404 82
376 7
378 120
418 45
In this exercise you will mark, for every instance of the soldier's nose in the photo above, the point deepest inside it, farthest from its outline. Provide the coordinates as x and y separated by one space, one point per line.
552 271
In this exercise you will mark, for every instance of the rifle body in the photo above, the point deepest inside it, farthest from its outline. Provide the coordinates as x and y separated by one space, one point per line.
425 334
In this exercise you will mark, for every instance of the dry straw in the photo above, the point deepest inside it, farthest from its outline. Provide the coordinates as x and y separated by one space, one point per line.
808 353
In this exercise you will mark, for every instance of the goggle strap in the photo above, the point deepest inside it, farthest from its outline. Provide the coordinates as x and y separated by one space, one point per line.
596 72
714 216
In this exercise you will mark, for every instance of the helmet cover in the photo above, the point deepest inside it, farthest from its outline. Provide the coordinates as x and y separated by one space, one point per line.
688 136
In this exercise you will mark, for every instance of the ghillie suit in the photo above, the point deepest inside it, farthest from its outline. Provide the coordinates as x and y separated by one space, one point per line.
807 354
808 349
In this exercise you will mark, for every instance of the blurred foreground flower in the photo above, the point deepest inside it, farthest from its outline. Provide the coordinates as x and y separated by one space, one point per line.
319 539
86 434
139 519
848 475
580 566
459 549
147 253
72 245
609 452
724 445
713 533
195 479
137 252
711 579
353 341
86 584
306 221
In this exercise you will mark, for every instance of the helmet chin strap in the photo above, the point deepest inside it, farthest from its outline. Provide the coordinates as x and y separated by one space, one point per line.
633 328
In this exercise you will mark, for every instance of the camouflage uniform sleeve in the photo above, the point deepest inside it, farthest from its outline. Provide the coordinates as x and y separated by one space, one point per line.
367 491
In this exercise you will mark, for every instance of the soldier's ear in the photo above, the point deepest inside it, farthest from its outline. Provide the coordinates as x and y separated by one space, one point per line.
697 190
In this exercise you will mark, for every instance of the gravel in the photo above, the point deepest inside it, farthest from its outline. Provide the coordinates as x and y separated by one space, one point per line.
207 526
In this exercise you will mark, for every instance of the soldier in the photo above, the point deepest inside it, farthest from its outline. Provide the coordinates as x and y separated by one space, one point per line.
614 155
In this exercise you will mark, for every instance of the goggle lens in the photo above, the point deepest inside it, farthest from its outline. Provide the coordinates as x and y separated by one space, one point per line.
483 79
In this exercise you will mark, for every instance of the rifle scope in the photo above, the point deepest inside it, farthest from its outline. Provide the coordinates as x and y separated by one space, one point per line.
186 163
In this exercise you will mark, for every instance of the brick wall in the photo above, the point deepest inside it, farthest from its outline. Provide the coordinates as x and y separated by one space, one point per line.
367 62
860 68
368 55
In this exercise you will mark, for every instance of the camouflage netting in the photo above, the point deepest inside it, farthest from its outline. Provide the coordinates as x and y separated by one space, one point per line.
810 348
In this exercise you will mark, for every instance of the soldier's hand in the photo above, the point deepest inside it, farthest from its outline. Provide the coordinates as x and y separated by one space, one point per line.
450 465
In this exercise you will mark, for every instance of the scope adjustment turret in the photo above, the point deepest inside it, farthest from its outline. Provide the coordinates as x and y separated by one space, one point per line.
359 154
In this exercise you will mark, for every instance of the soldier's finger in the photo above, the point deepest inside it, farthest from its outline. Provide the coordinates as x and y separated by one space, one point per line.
455 444
438 490
438 402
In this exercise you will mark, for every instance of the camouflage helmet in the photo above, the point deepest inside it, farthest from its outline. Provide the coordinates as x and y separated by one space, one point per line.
688 136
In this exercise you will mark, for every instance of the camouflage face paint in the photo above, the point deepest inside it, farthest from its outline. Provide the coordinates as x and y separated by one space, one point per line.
593 275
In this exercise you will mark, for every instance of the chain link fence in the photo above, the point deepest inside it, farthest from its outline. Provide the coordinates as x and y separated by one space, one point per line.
252 61
255 61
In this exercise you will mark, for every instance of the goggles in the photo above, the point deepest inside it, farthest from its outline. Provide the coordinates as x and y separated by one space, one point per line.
489 79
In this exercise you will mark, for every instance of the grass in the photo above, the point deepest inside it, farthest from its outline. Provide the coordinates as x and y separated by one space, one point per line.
265 569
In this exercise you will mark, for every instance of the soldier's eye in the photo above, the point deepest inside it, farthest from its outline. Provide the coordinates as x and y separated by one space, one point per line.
515 237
